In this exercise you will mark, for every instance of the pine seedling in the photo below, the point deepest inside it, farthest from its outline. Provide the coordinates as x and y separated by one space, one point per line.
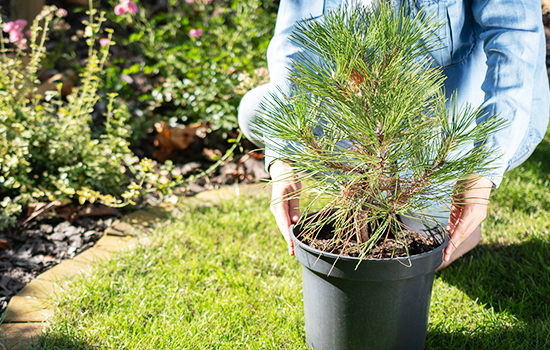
368 125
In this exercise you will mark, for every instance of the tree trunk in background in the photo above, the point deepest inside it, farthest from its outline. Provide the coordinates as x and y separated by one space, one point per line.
26 9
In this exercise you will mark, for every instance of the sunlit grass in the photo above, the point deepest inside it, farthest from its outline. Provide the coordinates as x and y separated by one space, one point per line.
219 277
214 278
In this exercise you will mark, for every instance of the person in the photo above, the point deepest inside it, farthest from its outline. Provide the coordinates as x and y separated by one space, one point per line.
494 56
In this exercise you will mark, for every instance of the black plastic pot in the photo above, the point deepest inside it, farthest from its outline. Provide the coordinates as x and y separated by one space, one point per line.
380 304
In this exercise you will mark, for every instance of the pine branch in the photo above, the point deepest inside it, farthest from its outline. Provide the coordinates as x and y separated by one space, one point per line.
368 121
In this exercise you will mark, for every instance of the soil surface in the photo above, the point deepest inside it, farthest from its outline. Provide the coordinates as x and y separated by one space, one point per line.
389 247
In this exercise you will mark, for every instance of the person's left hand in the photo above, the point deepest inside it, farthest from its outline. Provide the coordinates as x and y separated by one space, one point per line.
468 210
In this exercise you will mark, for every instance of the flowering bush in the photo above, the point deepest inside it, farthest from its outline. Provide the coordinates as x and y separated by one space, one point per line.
125 6
49 150
15 30
198 52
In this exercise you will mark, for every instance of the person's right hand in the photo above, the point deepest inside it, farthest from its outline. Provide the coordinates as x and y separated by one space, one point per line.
285 199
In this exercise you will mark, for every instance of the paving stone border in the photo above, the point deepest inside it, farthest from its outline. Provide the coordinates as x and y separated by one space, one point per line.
29 310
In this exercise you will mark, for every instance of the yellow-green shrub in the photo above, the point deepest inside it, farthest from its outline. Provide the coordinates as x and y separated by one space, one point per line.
49 148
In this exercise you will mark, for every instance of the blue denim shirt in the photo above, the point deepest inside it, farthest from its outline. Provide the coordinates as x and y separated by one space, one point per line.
495 57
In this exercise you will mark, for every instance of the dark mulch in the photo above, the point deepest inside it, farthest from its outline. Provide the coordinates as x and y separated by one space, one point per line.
42 245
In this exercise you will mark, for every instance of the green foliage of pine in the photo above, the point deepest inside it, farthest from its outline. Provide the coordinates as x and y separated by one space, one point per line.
368 121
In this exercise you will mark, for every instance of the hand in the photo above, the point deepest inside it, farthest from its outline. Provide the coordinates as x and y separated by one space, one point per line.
468 210
285 199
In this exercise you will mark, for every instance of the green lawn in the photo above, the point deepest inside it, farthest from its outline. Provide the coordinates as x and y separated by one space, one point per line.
219 277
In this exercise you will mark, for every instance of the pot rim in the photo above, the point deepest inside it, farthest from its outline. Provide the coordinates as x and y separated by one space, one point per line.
351 258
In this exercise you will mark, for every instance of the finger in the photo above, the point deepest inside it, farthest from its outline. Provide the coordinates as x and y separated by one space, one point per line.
456 239
286 210
465 226
282 218
294 205
456 212
280 211
294 216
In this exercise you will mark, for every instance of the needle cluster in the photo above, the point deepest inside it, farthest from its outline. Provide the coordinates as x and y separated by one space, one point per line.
368 121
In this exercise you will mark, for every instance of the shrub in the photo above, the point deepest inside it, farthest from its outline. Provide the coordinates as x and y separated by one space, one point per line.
48 149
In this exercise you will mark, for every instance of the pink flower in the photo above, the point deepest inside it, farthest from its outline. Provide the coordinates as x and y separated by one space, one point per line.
189 1
125 6
20 24
15 26
61 13
15 29
104 42
120 9
195 33
16 36
8 27
28 33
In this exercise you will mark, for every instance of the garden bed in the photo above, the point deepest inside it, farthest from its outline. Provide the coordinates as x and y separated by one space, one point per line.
43 238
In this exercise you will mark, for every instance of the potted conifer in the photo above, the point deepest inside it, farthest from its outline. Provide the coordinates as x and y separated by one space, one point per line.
368 125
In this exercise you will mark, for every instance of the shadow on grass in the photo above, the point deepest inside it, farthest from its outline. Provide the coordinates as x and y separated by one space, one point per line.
511 338
525 188
512 279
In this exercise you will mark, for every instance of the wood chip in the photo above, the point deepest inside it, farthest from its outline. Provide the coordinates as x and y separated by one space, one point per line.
5 244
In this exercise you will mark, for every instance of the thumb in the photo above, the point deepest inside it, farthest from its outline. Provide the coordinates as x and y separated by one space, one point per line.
294 212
